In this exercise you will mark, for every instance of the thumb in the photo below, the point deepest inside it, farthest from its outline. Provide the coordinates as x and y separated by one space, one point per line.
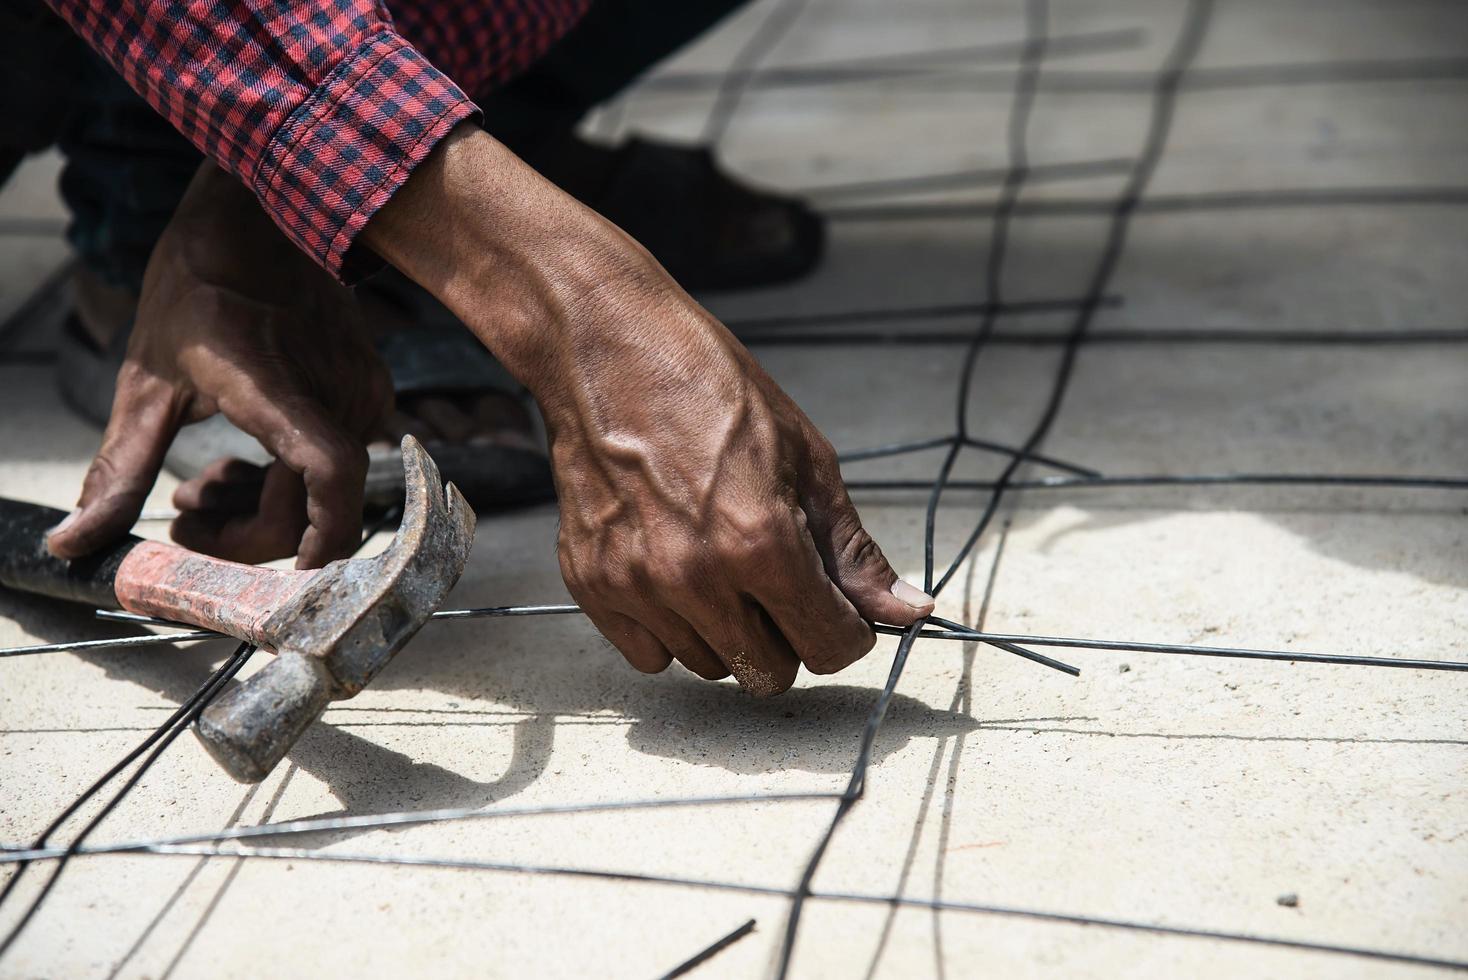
855 562
142 425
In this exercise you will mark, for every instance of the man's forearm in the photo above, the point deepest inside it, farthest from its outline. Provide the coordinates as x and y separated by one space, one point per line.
501 247
703 517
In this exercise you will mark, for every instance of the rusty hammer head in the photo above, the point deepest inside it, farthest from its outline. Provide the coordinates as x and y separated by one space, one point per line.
340 626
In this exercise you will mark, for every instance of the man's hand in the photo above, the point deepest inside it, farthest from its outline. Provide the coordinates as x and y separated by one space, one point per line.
234 319
703 515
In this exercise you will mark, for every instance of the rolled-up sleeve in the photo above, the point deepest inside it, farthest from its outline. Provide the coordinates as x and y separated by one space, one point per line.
319 106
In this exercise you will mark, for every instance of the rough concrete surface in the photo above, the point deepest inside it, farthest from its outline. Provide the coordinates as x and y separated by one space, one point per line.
1152 789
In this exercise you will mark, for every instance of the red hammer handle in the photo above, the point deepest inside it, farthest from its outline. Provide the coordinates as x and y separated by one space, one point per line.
174 583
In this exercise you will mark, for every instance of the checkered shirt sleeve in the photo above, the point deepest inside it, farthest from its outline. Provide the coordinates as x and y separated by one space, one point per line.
319 106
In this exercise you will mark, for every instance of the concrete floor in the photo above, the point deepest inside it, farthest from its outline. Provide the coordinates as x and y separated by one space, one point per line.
1179 791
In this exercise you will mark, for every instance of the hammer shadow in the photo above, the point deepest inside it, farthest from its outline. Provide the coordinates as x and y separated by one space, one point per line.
395 782
363 775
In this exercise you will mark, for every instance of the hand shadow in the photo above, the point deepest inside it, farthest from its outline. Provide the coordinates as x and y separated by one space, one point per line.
673 715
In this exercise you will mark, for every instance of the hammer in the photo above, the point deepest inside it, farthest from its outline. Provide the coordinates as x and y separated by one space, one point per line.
331 629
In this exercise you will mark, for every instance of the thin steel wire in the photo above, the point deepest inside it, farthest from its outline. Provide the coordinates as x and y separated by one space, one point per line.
1104 81
714 884
405 818
1344 480
160 740
1128 335
903 448
1008 645
735 82
920 74
115 643
1165 86
1058 207
1036 27
1065 304
704 955
886 67
1274 75
966 179
959 632
1167 83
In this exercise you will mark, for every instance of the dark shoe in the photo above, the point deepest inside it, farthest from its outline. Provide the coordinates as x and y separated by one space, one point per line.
709 231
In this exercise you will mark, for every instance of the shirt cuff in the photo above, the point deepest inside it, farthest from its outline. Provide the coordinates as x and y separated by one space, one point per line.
344 151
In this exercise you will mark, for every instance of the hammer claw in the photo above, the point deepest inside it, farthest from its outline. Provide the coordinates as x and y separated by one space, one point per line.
343 626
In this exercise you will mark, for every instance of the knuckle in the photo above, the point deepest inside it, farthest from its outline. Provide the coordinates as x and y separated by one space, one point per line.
604 581
620 578
571 574
131 376
589 575
859 549
667 580
584 585
107 480
675 570
756 542
820 450
638 647
103 472
339 462
834 659
823 462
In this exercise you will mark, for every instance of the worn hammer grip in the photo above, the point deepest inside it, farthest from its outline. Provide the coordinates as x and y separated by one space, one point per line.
26 565
251 728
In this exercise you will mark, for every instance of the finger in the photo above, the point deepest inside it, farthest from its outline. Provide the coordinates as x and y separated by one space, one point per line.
332 465
749 644
586 579
142 425
683 642
230 486
820 623
271 529
637 645
851 557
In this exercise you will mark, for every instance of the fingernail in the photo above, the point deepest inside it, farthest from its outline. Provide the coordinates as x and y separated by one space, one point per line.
911 594
66 522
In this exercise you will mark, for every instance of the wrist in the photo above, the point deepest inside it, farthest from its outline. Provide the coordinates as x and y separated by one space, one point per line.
510 254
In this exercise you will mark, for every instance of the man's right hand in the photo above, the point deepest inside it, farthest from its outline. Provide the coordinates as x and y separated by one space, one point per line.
234 319
703 516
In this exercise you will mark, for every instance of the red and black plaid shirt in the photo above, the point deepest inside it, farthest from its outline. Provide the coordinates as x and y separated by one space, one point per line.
322 107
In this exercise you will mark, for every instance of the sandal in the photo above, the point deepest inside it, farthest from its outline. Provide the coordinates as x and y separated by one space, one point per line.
491 476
